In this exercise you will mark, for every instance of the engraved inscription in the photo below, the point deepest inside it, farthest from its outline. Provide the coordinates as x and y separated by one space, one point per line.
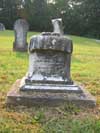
48 63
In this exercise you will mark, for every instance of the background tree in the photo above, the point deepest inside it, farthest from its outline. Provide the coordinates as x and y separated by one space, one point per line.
38 15
80 17
9 12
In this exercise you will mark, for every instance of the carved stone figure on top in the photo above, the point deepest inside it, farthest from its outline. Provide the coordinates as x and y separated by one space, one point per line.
57 26
21 28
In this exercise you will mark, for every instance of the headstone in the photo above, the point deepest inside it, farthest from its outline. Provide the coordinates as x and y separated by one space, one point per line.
2 27
48 81
49 61
21 28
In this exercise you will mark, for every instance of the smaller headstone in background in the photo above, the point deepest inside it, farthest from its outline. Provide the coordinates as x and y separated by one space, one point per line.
21 28
2 27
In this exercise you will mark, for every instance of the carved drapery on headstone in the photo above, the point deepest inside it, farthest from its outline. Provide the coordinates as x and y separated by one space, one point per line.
21 28
2 27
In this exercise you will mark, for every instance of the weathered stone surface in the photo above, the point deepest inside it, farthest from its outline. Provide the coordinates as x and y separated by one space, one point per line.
40 98
51 42
2 27
49 59
48 86
57 26
21 28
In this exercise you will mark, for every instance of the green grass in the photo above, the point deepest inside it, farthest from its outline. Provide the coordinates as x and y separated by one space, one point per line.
85 69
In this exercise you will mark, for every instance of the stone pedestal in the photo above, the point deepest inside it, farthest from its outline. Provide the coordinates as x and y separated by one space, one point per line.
40 97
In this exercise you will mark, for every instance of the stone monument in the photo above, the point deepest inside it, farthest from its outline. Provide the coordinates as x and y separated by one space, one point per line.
2 27
21 28
48 81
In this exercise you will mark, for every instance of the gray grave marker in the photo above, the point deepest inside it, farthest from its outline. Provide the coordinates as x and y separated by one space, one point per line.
21 28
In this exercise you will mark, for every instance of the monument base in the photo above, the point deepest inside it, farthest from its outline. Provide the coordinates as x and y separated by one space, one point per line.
48 98
20 49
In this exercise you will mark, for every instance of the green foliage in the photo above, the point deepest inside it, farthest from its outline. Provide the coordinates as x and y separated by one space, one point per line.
39 116
72 126
80 17
37 11
8 14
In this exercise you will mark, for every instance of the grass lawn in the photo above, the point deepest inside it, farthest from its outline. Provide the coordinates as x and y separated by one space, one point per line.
85 69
